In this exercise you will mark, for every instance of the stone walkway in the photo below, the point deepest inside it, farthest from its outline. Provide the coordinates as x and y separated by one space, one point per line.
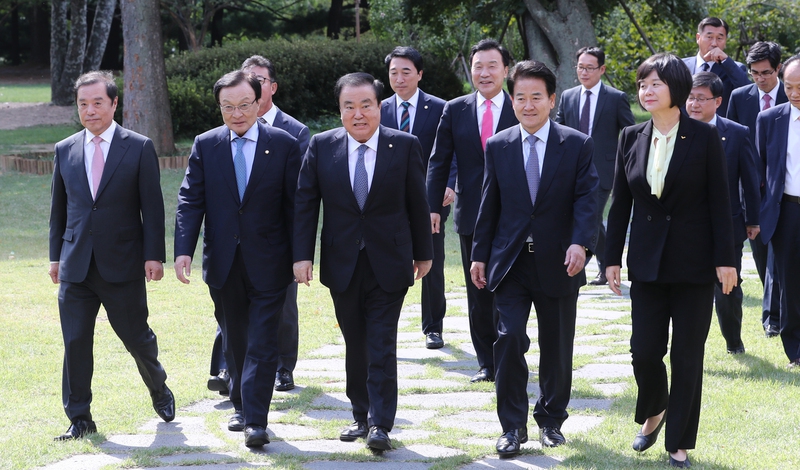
441 417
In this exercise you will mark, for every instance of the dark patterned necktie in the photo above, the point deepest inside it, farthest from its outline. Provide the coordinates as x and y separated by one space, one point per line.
584 127
405 118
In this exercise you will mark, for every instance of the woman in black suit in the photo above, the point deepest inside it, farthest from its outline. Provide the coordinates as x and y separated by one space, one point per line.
671 170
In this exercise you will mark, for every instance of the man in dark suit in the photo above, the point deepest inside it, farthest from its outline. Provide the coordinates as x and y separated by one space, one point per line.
743 173
602 112
778 144
240 181
412 110
538 214
764 62
106 239
467 122
712 35
375 236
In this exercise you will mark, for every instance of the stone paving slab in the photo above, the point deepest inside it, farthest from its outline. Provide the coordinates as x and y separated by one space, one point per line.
320 364
218 466
603 314
404 354
337 465
458 400
421 452
129 442
87 462
626 358
456 323
181 424
187 459
590 350
591 338
603 371
528 462
610 389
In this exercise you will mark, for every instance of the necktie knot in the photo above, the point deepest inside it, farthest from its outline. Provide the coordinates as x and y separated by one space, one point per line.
97 139
532 139
262 120
405 104
767 100
239 141
705 67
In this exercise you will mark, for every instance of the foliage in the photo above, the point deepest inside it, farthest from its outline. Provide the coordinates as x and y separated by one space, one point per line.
751 21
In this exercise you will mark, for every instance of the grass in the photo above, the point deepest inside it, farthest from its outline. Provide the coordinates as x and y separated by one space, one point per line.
19 141
25 93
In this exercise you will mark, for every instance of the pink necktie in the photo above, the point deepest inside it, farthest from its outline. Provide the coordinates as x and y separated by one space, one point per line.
487 124
97 165
767 99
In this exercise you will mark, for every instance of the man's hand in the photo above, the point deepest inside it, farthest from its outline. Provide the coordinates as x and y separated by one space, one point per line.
422 268
753 231
183 268
715 55
303 271
612 274
435 220
53 272
449 197
153 270
478 274
727 277
575 259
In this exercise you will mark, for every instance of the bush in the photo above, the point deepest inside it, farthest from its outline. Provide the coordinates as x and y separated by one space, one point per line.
306 72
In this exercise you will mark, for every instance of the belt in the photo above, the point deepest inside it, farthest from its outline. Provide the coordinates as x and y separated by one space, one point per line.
789 198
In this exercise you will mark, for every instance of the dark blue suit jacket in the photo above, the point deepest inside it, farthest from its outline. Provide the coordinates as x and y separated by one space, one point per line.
260 224
565 212
611 115
395 223
733 75
459 134
742 172
744 106
772 131
295 128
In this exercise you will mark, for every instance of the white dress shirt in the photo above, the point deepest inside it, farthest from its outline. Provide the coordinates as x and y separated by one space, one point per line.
412 109
541 145
592 103
792 182
369 156
270 115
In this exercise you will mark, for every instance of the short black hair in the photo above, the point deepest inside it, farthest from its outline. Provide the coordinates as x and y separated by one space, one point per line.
790 61
260 61
672 71
235 78
487 45
532 69
405 52
764 50
594 51
357 79
98 76
714 22
709 80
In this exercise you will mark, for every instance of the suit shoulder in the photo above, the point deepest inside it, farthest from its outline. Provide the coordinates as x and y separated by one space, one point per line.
400 135
327 136
434 99
774 111
634 129
734 126
129 134
460 100
293 123
742 91
614 92
69 140
509 132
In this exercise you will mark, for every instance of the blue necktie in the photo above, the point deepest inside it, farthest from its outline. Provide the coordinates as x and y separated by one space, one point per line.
405 118
240 167
532 168
705 67
360 184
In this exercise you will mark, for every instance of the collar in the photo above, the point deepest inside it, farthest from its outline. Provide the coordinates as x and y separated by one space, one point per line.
773 93
107 134
713 120
372 142
412 101
794 113
270 115
498 99
595 89
251 134
700 62
543 133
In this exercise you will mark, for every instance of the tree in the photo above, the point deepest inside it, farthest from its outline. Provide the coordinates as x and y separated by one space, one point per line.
145 101
195 17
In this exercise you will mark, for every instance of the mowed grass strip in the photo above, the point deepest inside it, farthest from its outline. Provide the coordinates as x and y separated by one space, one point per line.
23 93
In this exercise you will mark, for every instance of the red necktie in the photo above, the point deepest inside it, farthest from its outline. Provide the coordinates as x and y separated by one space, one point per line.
767 99
487 124
97 165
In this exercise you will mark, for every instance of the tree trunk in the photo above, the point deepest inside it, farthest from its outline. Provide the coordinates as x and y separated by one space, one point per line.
66 55
39 34
555 34
103 16
335 19
14 49
146 104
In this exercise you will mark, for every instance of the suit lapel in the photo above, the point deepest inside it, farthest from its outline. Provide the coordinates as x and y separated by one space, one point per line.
340 167
722 129
552 159
602 97
782 123
507 117
116 151
423 111
642 150
516 163
782 98
683 142
383 160
77 162
260 160
471 110
575 103
224 162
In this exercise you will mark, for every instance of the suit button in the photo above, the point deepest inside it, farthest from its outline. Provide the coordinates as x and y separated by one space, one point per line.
90 232
363 217
241 212
649 218
533 216
669 218
235 237
94 208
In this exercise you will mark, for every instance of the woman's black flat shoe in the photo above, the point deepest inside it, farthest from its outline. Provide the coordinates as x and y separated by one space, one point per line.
641 442
679 463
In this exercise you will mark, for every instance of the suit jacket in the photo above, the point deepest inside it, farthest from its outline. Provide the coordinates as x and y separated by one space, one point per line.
733 75
612 114
565 211
772 131
295 128
684 235
395 223
742 172
459 134
260 224
123 226
745 105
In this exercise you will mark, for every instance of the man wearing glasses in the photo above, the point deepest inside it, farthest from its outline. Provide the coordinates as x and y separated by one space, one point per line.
240 181
764 62
601 112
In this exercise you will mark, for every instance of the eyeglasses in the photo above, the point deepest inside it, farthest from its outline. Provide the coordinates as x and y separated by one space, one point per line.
765 73
700 101
263 80
580 68
229 109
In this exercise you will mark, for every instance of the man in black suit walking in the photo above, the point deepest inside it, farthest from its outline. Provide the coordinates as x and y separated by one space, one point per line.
106 239
412 110
467 123
375 236
601 112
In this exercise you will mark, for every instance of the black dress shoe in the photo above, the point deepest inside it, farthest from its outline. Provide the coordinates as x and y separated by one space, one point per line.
736 350
354 431
78 429
600 280
641 442
219 383
434 341
794 364
378 438
255 436
509 442
284 380
236 421
771 331
483 375
680 463
551 437
164 403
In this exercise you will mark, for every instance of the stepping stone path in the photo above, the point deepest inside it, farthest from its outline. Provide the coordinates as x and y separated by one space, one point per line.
440 414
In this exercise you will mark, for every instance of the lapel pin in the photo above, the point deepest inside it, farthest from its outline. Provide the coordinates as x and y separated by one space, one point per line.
683 137
266 152
426 106
723 138
390 145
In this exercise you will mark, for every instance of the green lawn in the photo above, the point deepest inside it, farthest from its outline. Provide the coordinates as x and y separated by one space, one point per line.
19 141
25 93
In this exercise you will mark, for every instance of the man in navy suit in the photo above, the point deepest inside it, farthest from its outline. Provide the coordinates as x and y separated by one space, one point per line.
412 110
743 173
764 62
778 144
106 239
711 37
602 112
240 182
537 220
467 122
375 236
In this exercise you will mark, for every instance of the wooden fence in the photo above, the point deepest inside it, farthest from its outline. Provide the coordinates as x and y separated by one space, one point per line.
45 167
